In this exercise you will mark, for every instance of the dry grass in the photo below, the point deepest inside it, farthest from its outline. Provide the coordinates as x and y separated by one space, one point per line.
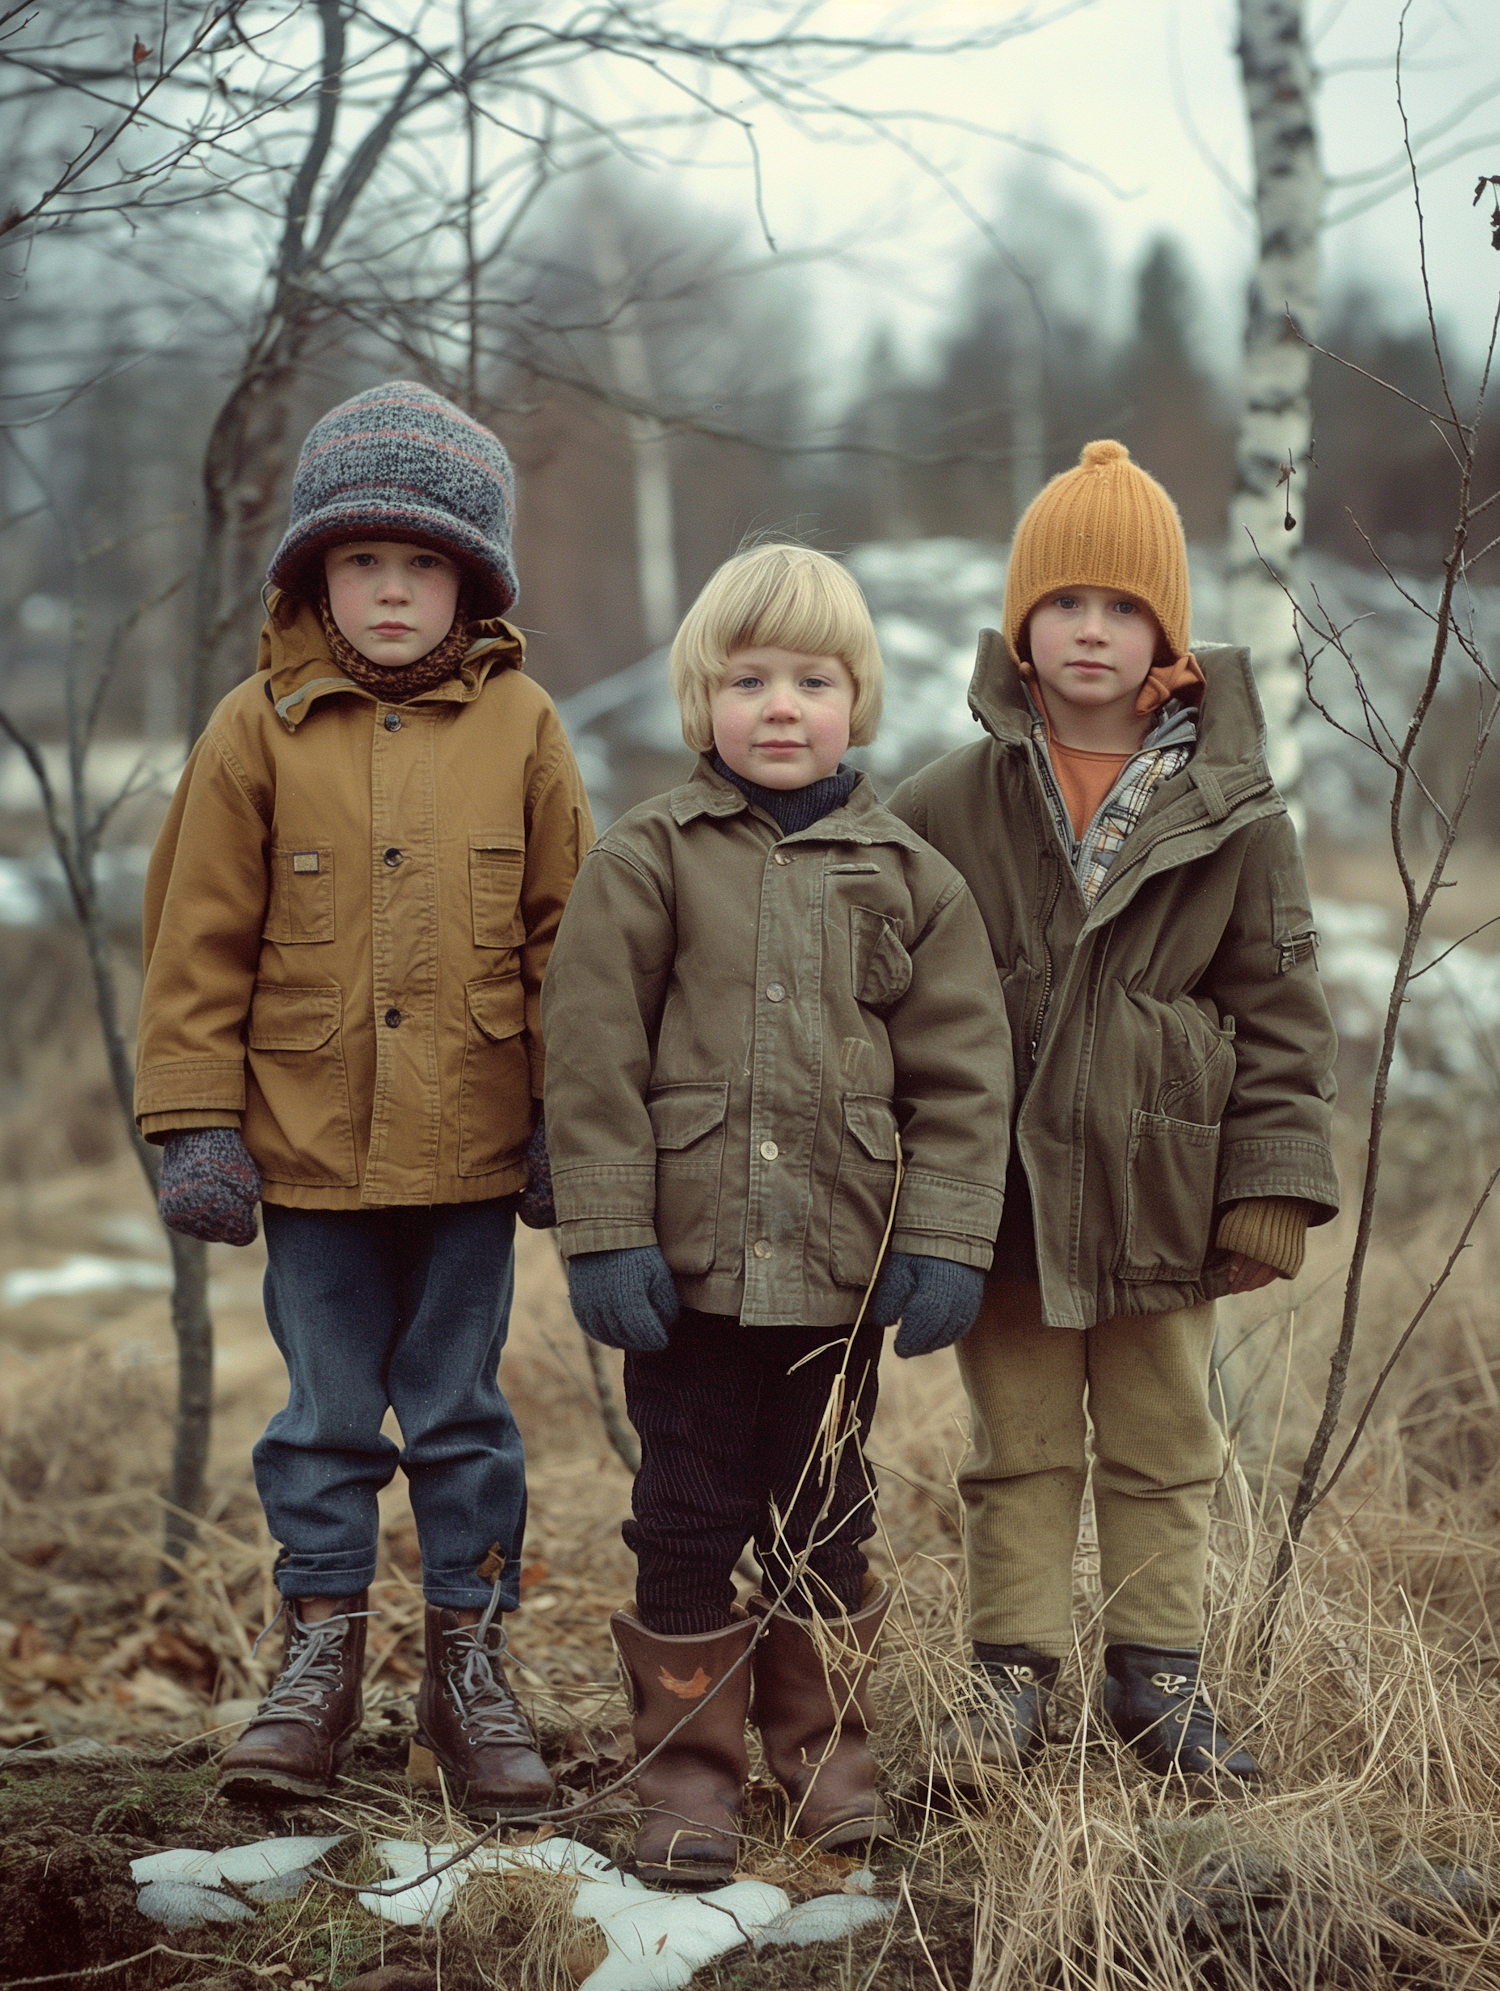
1371 1860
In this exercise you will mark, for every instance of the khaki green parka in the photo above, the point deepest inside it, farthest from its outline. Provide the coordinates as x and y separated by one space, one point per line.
742 1029
1174 1048
348 912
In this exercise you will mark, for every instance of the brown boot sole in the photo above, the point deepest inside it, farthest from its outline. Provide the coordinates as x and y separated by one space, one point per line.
427 1770
268 1783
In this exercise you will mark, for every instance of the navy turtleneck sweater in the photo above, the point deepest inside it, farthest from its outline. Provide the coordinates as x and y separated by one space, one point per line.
793 809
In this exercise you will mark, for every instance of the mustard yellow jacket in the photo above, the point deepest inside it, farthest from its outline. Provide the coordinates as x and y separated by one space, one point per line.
348 912
743 1031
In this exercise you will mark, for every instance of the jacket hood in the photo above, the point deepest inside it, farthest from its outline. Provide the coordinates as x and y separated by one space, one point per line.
1231 724
294 653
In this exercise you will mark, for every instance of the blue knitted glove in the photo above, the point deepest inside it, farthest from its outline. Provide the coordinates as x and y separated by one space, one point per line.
934 1299
209 1186
626 1299
534 1205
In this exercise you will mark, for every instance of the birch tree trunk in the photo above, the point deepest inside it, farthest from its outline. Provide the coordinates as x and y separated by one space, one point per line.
1266 515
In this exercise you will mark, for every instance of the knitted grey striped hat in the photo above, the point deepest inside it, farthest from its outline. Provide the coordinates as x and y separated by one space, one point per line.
399 462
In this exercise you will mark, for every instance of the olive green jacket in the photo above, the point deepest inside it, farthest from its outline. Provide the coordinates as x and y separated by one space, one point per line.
348 912
1174 1050
742 1028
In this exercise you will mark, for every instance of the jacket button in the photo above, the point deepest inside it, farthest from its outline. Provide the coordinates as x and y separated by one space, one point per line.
393 858
763 1247
393 722
775 992
392 1018
769 1151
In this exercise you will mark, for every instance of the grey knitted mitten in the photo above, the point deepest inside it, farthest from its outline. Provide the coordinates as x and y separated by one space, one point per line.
935 1300
535 1206
626 1299
209 1186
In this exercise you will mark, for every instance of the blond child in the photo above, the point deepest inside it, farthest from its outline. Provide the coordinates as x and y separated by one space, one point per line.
767 994
1145 900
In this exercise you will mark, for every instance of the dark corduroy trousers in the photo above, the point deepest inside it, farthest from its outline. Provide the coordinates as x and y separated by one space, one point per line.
750 1434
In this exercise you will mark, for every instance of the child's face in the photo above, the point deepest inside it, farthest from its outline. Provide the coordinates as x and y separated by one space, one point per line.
782 719
1092 647
394 602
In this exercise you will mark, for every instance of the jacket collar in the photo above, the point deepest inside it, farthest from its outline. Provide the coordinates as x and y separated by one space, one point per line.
864 818
299 670
1230 758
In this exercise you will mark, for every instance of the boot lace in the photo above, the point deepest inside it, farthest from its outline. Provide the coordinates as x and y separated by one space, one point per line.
1195 1705
311 1669
477 1686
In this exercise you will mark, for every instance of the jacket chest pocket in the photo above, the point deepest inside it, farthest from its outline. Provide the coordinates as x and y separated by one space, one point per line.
882 966
864 1187
687 1124
495 1111
299 909
298 1123
497 864
1171 1180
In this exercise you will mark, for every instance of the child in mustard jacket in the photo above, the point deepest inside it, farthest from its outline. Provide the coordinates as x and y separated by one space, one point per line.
348 913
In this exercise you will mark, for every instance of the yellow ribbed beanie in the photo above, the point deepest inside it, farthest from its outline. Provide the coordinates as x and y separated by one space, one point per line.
1105 524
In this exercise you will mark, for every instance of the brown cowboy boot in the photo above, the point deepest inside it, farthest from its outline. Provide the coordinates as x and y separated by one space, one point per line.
692 1789
469 1723
812 1707
305 1726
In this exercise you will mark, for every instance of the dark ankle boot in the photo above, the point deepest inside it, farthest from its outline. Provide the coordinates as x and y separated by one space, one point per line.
305 1726
1152 1696
1001 1721
692 1789
469 1723
812 1707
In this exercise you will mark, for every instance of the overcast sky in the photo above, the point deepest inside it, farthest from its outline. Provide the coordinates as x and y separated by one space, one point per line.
1144 96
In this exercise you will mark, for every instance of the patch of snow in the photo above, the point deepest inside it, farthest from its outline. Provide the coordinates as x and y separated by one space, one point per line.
656 1940
83 1273
825 1919
181 1888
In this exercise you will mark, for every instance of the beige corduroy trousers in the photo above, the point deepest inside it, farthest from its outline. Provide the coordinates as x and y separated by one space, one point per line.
1142 1383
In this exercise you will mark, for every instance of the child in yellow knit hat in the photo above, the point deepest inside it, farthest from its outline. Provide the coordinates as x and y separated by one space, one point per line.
1145 899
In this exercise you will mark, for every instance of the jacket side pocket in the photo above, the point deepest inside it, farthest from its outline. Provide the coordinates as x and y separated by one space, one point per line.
863 1188
298 1123
494 1099
1171 1176
299 908
497 864
687 1124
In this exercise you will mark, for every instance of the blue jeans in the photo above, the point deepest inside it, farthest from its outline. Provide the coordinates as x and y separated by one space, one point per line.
403 1308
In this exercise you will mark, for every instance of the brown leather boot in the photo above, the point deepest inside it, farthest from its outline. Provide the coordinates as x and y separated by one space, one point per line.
812 1707
470 1724
692 1790
305 1726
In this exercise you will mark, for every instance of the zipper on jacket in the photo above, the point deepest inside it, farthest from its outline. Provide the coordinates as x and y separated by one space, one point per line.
1047 974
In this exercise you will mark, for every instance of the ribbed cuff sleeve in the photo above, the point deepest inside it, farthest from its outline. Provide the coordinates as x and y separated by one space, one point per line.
1272 1229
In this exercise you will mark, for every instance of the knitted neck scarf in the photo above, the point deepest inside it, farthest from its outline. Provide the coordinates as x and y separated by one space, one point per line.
793 809
395 684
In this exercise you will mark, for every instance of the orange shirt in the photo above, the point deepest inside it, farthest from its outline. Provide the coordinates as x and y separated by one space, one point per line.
1085 778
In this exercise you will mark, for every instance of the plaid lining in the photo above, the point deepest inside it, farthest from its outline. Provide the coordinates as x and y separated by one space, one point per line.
1092 854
